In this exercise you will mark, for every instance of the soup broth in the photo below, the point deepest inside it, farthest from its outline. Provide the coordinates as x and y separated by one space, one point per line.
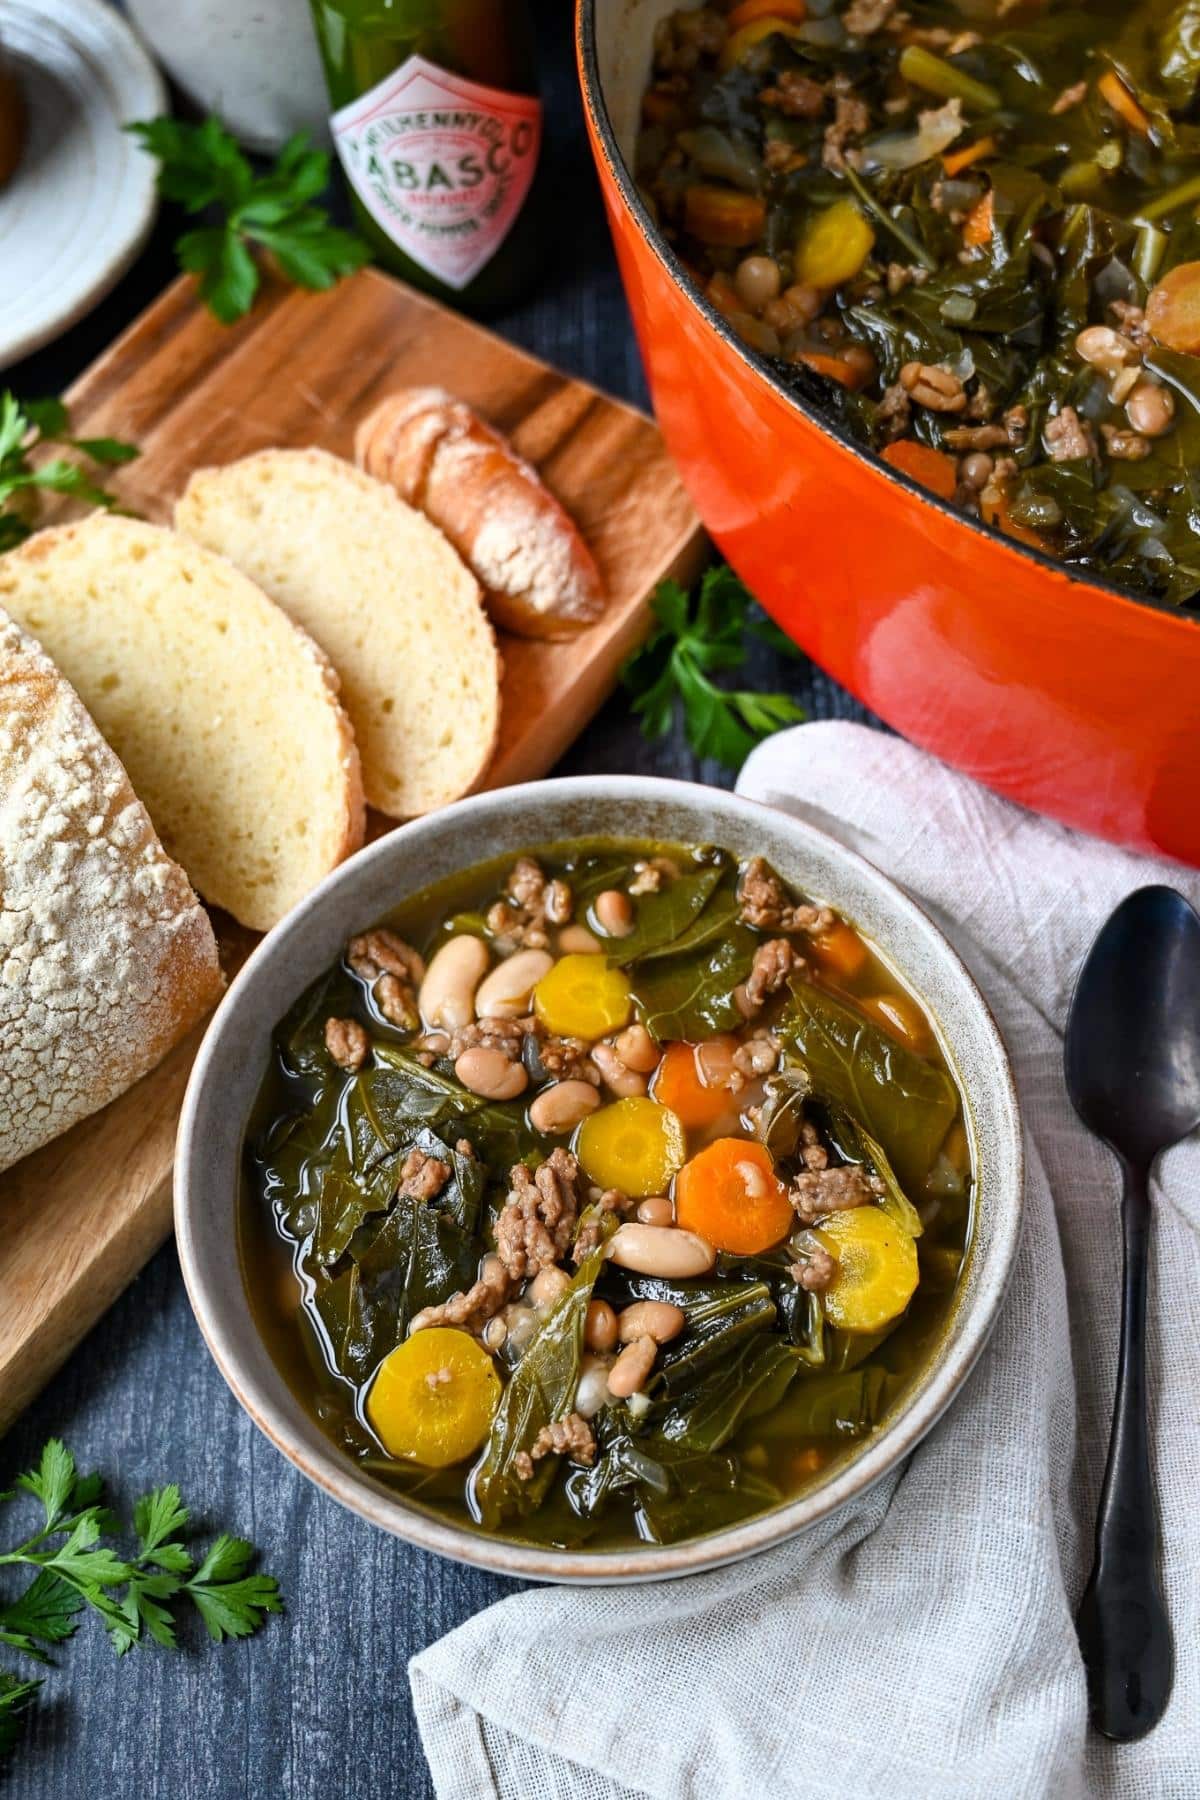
605 1195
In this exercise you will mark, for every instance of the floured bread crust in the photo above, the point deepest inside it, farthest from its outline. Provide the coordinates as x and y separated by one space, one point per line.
106 955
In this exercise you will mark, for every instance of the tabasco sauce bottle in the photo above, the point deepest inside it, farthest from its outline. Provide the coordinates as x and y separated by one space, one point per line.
438 125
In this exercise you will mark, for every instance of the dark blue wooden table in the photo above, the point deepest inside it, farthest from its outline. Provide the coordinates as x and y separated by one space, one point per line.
316 1706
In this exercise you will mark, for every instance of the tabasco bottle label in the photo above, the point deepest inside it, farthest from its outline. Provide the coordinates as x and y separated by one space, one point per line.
442 164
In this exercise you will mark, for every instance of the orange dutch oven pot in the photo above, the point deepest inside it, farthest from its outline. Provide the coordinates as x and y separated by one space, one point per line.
1059 692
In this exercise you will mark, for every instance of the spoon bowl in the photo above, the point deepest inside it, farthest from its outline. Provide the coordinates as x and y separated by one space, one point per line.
1132 1062
1133 1033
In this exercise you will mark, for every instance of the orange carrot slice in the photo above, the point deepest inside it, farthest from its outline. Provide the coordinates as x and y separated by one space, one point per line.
955 161
661 109
1123 103
934 469
731 1195
901 1018
723 216
848 375
840 950
996 512
1173 309
681 1082
794 12
977 227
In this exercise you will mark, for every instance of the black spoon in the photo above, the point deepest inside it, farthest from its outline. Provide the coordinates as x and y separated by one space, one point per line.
1132 1058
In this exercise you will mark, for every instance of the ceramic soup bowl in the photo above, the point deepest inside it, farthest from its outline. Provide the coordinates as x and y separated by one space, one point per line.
234 1059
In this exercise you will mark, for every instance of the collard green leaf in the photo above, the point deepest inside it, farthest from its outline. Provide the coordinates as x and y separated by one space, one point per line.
749 1381
415 1257
343 1201
844 1404
905 1103
676 1493
855 1144
720 1317
404 1095
661 919
691 995
540 1390
1179 54
300 1036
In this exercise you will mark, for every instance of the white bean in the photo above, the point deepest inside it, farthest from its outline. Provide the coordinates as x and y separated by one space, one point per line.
623 1082
614 912
520 1322
577 940
561 1107
637 1049
447 995
661 1250
657 1319
494 1334
592 1391
631 1368
504 994
488 1072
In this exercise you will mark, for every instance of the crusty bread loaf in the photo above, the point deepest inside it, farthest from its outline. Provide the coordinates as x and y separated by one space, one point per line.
106 955
538 576
382 591
224 713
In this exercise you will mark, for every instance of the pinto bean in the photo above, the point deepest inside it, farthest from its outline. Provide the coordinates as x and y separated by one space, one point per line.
489 1073
625 1083
638 1050
561 1107
614 912
657 1210
1150 409
631 1369
1105 348
577 940
600 1326
661 1250
547 1285
657 1319
504 994
447 995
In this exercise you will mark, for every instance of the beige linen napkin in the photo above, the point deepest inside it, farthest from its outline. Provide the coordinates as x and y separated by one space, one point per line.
918 1644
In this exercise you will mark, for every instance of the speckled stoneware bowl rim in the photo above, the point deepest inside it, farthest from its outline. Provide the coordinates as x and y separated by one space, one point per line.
233 1059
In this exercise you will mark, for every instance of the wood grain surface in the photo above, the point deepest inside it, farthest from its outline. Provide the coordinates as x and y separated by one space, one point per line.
82 1216
317 1704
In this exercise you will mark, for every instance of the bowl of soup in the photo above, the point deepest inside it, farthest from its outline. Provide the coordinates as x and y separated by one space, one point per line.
599 1180
916 291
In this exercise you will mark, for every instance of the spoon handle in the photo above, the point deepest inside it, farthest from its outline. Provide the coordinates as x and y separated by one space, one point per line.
1124 1631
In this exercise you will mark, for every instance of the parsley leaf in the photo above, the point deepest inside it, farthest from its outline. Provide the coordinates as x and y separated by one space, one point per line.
15 1696
25 426
202 168
133 1596
693 639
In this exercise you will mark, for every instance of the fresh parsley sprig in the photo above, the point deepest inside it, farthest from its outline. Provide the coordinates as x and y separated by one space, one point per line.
132 1593
204 170
693 639
25 425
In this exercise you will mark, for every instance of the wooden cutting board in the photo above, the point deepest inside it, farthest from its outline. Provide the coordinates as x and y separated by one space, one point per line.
79 1219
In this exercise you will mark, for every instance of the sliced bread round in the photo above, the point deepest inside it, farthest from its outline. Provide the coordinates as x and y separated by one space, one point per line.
106 955
224 713
396 610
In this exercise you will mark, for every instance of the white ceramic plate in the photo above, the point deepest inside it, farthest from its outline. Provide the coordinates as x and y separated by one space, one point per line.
81 202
